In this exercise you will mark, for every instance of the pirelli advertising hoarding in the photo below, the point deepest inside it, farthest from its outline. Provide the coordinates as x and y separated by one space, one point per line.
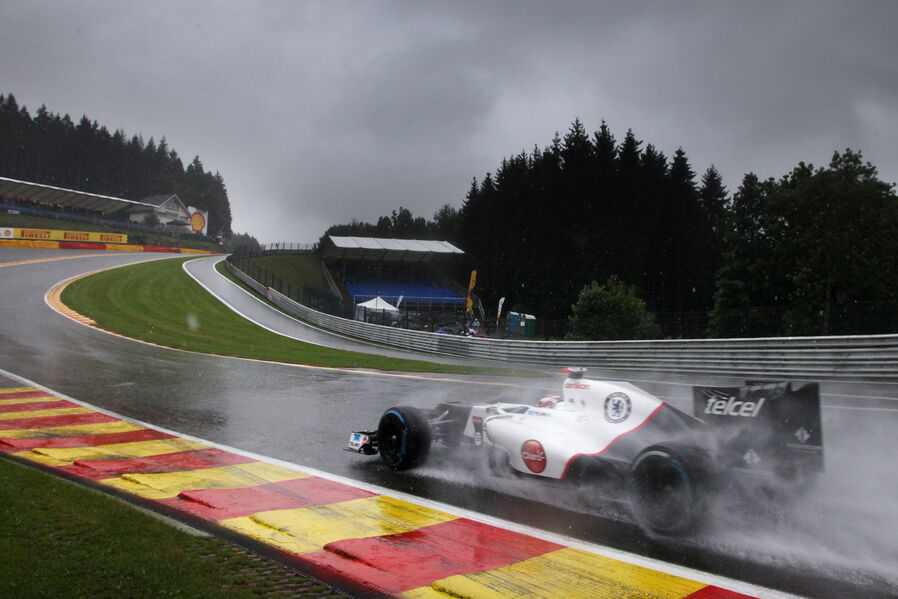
51 235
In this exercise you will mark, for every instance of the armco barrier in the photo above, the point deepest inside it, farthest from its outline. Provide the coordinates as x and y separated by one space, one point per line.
868 358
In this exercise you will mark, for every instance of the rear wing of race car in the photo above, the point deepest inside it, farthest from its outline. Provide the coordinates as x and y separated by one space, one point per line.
773 427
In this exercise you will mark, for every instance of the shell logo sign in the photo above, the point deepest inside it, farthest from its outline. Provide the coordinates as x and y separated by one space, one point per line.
6 234
199 220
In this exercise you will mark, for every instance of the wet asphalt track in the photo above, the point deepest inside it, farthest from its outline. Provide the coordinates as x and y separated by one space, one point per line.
838 542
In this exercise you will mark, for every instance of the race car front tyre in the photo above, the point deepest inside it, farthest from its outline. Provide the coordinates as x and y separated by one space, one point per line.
403 438
667 487
498 462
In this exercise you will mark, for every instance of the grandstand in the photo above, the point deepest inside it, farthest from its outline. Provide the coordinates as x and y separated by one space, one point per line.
407 272
410 283
46 201
23 197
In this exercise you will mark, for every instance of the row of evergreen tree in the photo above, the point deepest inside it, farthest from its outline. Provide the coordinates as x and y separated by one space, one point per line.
586 208
402 224
815 252
53 150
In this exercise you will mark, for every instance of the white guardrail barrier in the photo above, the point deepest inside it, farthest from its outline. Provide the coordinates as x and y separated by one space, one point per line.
869 358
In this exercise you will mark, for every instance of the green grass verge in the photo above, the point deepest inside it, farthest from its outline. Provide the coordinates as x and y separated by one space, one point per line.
58 539
297 270
158 302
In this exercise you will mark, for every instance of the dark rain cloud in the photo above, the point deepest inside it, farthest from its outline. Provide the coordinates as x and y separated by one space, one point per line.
319 112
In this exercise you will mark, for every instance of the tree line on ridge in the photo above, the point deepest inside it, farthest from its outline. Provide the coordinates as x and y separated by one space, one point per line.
50 149
812 253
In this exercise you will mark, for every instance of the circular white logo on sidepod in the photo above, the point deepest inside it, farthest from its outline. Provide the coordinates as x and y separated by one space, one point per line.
617 407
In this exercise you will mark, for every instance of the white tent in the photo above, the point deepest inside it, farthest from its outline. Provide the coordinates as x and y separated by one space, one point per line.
378 304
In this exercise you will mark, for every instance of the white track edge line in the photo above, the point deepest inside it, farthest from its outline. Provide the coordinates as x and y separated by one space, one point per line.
620 555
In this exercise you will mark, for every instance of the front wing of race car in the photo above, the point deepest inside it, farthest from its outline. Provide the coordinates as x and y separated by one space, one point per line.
363 442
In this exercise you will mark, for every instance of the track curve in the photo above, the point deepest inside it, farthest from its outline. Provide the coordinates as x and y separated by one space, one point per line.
203 271
838 543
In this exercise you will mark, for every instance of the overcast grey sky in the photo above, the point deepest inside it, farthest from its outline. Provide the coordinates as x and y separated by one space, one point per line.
316 113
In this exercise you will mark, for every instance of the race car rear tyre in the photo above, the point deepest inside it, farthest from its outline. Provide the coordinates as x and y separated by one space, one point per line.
403 438
667 489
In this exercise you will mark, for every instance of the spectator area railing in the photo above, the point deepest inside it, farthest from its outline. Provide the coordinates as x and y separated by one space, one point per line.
869 358
331 284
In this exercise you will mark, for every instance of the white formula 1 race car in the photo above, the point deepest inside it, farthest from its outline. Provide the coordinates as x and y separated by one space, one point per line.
666 462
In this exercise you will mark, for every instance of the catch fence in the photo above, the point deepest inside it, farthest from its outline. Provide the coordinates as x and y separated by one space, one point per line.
868 358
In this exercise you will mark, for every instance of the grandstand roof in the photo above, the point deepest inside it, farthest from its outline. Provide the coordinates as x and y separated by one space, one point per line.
399 250
66 198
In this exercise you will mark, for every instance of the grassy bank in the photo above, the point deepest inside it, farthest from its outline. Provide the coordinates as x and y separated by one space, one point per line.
296 270
58 539
156 301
